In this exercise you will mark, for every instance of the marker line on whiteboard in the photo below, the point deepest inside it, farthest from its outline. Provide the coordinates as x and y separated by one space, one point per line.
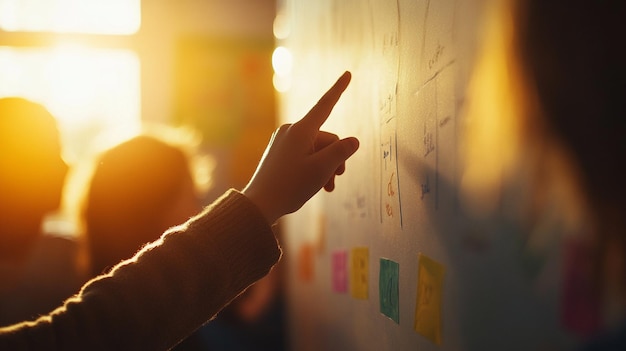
434 76
398 178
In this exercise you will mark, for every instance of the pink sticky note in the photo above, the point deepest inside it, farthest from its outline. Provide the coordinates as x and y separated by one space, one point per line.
340 271
580 307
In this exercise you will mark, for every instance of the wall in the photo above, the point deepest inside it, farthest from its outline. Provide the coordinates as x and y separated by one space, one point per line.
390 260
207 64
164 23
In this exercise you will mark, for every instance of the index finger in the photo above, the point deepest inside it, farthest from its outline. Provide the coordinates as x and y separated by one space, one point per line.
320 112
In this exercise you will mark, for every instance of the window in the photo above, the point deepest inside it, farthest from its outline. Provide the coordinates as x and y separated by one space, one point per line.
71 16
75 57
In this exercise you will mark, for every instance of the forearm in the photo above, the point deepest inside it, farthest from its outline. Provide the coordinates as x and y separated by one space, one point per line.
170 288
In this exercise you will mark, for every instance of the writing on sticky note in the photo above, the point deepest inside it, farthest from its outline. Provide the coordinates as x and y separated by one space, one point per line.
429 299
305 262
340 271
388 289
359 274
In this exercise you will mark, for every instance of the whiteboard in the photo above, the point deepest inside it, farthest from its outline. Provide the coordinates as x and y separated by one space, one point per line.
389 260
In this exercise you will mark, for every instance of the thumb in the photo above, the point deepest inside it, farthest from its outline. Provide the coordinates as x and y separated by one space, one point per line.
333 155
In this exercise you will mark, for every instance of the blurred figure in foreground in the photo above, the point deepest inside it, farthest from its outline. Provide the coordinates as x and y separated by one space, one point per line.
547 110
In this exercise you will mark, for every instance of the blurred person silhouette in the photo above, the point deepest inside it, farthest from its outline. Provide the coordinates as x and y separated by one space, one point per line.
37 270
546 110
140 188
574 56
175 284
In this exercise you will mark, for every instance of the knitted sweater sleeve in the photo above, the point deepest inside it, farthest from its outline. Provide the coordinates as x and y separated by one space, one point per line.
166 291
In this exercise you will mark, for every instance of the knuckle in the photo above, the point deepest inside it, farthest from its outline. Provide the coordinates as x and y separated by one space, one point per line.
282 129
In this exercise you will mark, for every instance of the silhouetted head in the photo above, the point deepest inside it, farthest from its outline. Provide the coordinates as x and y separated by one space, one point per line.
575 57
32 172
139 188
546 113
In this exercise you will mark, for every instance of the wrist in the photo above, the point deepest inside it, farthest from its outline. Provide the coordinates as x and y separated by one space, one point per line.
262 203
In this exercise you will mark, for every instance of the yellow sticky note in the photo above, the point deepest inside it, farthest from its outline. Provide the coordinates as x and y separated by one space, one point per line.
429 299
360 273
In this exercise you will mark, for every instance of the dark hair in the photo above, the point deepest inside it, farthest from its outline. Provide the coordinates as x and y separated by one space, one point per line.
575 55
132 185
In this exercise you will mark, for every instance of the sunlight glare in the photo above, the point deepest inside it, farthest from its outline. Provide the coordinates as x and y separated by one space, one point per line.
282 62
71 16
281 26
89 90
282 84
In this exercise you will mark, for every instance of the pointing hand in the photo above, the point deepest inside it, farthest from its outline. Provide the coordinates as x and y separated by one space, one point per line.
300 159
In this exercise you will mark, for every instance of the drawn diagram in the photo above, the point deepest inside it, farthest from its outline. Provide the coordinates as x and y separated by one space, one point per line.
436 98
386 24
437 31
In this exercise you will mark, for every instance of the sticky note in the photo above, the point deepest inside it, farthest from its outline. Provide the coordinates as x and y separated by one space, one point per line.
388 289
429 299
305 262
580 307
359 274
340 271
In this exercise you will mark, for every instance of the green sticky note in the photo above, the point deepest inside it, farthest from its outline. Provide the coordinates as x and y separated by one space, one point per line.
388 289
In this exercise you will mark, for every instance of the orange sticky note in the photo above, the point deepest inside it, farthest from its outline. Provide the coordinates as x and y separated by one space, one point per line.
429 299
359 274
305 262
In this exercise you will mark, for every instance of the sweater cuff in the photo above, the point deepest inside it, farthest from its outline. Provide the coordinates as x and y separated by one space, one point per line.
251 243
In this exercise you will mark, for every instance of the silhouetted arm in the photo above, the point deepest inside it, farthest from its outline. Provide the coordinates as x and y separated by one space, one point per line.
174 285
165 292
